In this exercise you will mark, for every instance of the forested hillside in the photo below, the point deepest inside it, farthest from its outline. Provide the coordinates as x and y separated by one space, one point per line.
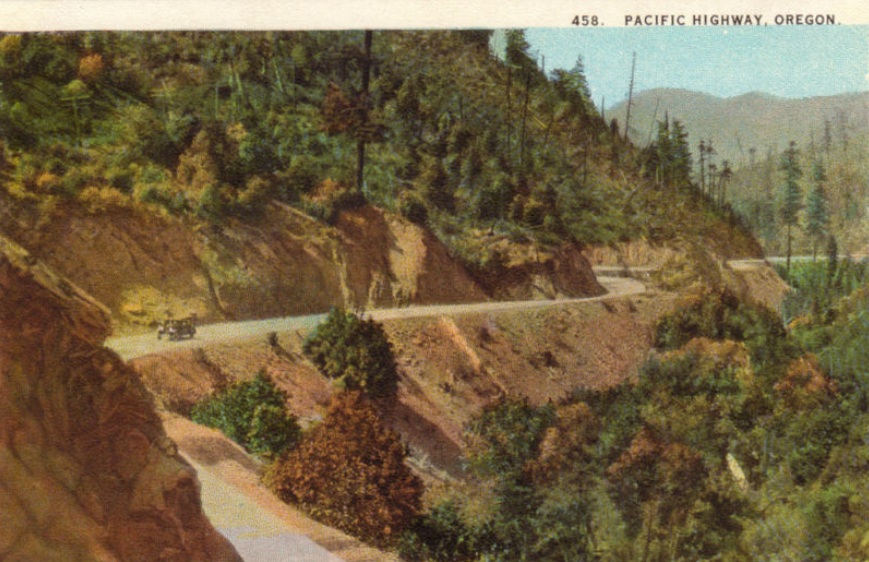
737 146
752 123
212 126
832 191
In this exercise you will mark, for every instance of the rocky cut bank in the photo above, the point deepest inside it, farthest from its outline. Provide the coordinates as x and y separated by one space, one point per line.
87 472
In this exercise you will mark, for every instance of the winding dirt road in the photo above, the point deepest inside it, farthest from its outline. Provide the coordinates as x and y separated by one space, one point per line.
131 347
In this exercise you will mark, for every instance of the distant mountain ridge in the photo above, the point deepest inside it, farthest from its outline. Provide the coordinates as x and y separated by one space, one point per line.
752 120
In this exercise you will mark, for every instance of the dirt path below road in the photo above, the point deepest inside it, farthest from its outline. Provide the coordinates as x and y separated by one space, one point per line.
261 527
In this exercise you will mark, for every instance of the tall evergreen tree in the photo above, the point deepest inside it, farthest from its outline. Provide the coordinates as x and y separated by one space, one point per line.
817 211
723 178
672 154
710 163
572 87
791 194
681 155
664 151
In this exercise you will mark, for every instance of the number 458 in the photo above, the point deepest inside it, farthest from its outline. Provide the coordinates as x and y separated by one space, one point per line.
586 21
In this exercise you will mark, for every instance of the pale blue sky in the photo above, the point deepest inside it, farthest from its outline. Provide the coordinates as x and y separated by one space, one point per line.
791 62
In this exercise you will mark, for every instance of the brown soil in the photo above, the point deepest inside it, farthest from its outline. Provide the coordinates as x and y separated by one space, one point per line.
757 282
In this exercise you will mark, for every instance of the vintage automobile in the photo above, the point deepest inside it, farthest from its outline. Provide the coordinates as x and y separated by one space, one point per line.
177 329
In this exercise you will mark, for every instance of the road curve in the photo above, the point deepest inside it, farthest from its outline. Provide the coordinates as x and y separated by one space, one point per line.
131 347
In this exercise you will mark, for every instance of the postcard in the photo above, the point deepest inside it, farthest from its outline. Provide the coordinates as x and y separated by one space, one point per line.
434 280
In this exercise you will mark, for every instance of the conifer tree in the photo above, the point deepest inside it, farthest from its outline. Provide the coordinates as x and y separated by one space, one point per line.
664 151
817 212
673 153
723 178
791 195
681 156
572 87
354 352
710 153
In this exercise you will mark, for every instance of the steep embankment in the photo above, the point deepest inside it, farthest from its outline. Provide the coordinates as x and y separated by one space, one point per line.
451 366
86 469
145 266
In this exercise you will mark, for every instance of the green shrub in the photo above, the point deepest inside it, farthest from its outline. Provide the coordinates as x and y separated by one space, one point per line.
439 535
495 198
301 177
820 285
355 353
251 202
253 414
718 314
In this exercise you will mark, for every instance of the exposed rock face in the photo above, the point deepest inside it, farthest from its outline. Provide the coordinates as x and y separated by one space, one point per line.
563 273
390 261
144 267
86 469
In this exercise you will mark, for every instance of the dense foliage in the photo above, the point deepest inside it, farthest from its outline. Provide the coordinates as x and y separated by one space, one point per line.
350 472
253 414
818 286
740 440
354 352
719 315
214 126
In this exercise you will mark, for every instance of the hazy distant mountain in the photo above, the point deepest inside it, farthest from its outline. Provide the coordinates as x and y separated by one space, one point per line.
753 120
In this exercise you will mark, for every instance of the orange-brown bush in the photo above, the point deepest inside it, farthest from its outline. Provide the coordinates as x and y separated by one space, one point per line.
567 443
805 385
90 67
350 473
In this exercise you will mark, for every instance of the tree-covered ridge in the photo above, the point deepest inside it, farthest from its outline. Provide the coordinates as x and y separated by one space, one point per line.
215 125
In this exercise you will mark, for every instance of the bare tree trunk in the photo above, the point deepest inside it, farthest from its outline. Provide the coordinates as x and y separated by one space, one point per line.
630 96
524 120
509 111
366 81
650 523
